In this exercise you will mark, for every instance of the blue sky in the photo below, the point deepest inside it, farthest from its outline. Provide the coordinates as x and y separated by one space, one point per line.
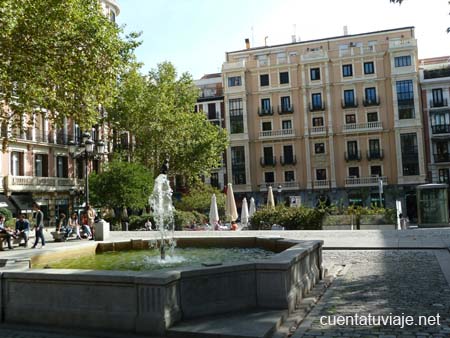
195 34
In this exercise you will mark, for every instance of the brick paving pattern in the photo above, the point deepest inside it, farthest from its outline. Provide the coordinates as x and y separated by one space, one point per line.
383 282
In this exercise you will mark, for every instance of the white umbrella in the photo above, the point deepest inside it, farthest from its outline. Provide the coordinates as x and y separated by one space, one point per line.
270 200
244 212
252 209
230 210
213 212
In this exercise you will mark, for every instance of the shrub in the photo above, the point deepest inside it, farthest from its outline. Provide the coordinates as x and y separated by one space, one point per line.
301 218
138 222
183 218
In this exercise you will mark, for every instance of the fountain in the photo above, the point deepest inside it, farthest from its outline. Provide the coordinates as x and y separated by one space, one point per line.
161 203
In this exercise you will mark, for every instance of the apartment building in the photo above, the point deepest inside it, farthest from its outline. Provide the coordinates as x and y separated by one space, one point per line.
211 102
435 85
37 165
332 118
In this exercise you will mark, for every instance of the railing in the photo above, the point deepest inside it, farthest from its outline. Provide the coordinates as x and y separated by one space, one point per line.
353 156
349 104
270 161
277 133
275 185
440 129
371 102
365 126
402 43
263 62
34 183
438 104
233 65
313 55
317 130
443 157
375 154
60 137
265 111
285 109
288 160
321 184
365 181
317 107
409 102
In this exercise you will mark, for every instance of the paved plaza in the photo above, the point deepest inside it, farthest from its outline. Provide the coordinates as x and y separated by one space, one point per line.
375 279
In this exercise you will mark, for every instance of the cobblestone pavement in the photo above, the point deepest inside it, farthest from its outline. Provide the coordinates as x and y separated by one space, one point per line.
388 283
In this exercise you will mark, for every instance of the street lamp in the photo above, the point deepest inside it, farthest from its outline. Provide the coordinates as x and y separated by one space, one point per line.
279 189
85 150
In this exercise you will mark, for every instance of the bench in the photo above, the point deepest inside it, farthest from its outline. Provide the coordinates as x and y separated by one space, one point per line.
14 241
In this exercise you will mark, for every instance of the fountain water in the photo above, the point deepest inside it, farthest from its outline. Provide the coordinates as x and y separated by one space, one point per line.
161 203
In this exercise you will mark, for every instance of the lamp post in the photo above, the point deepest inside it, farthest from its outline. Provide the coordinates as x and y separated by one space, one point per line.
85 150
279 189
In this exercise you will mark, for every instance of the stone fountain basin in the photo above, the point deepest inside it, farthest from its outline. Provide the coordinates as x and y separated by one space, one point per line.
151 302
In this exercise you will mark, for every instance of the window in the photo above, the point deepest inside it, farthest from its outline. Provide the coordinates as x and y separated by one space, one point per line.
267 126
444 175
372 117
286 124
17 166
368 68
269 177
284 77
410 156
285 104
405 99
62 166
347 70
238 165
350 119
402 61
316 101
234 81
321 174
353 172
349 98
375 170
315 74
438 99
214 180
289 176
374 149
264 80
288 154
212 114
266 108
317 121
352 151
41 165
319 148
282 58
268 156
370 96
236 116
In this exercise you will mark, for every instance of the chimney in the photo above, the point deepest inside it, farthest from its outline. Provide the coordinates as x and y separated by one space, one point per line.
294 39
247 43
345 30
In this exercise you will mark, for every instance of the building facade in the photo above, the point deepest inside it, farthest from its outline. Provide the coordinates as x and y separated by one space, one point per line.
211 102
36 164
331 118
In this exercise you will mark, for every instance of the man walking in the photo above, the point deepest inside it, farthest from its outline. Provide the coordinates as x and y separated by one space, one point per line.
39 225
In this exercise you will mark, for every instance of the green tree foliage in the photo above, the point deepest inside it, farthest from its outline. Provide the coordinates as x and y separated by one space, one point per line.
58 57
199 199
121 184
158 109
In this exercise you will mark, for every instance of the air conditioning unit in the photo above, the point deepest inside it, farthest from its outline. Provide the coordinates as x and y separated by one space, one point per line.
352 44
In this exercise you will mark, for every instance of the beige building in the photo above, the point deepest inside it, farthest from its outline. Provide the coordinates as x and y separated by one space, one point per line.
329 118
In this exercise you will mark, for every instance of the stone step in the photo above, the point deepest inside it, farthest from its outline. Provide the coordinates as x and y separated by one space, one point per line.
257 323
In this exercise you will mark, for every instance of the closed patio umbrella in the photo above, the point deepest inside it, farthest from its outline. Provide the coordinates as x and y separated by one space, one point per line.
213 212
230 210
252 208
270 200
244 212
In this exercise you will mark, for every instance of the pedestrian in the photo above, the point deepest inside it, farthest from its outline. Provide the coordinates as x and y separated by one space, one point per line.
23 228
91 215
38 225
5 231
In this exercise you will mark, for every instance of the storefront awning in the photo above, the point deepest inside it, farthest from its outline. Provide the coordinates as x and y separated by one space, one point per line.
23 202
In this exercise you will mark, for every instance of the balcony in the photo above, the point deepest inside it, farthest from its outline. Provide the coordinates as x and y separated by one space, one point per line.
314 55
285 109
374 101
265 111
292 185
440 129
288 160
436 73
39 184
233 66
317 107
375 154
438 104
362 127
268 161
60 138
321 130
441 157
277 133
353 156
368 181
321 184
402 43
346 104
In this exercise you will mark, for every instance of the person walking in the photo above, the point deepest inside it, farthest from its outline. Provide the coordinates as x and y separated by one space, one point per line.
38 225
91 215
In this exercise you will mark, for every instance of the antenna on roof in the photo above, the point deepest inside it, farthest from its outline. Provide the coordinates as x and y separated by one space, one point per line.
253 37
294 35
265 41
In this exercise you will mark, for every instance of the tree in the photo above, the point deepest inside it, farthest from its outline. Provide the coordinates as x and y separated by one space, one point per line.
158 109
58 57
121 184
199 199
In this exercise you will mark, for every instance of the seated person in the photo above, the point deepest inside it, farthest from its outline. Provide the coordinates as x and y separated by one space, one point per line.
85 225
61 226
234 226
6 231
148 225
23 228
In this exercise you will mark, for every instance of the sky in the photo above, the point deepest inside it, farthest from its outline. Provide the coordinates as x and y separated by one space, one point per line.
195 34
